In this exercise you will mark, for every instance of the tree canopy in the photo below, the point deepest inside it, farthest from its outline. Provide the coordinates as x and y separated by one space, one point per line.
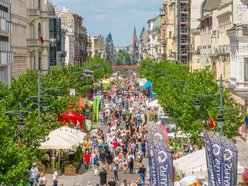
19 148
178 89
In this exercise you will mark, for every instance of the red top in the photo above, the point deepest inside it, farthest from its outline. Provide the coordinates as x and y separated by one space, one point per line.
115 143
87 158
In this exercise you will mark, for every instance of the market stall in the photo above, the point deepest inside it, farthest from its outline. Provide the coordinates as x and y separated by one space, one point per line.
63 144
195 164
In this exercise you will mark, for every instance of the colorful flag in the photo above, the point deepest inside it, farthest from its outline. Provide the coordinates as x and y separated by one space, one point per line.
41 40
211 122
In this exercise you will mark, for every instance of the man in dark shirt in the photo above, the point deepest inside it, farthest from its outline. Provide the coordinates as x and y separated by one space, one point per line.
102 158
112 182
142 171
103 177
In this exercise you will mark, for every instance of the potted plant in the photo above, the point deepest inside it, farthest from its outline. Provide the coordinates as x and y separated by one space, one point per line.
70 170
58 167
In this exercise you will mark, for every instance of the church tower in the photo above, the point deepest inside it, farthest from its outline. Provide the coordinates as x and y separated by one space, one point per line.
135 39
135 46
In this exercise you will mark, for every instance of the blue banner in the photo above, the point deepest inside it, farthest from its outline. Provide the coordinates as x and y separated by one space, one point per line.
209 159
152 164
229 163
162 155
222 158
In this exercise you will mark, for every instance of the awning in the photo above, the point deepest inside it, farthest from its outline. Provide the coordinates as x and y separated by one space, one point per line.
211 4
148 84
64 138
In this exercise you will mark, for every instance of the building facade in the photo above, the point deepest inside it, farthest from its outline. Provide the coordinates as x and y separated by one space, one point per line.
38 35
75 37
55 38
5 41
97 46
109 50
19 37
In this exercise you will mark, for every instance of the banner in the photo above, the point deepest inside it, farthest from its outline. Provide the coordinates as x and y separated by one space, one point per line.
152 164
162 155
230 163
222 159
209 158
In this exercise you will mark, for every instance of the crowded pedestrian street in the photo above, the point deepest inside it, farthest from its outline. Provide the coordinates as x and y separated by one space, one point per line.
115 148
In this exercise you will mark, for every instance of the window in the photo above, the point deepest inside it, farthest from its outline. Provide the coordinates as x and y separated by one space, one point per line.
39 30
39 3
246 68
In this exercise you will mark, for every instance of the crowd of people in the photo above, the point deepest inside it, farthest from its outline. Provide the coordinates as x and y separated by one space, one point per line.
119 145
123 146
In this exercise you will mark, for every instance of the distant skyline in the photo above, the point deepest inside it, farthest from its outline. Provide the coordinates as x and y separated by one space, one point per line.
116 16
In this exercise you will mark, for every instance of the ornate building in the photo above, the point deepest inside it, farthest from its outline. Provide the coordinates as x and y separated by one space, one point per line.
37 34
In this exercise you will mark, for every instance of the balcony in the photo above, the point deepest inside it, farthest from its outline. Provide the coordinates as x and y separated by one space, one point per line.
36 43
34 12
225 10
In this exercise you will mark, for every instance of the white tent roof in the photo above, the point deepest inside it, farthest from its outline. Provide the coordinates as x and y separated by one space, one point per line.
195 164
70 132
63 138
57 143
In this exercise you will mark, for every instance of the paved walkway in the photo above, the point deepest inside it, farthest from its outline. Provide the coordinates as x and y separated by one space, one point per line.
83 179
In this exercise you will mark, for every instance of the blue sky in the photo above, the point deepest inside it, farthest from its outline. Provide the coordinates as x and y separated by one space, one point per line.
116 16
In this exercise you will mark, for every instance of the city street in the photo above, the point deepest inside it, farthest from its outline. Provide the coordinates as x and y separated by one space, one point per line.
83 177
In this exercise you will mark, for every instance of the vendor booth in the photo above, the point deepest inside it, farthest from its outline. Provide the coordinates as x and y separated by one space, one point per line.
195 164
70 117
63 145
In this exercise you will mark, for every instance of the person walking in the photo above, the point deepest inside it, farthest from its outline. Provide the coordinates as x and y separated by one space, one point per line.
103 177
141 172
112 182
116 172
55 178
96 164
124 183
87 160
42 179
130 163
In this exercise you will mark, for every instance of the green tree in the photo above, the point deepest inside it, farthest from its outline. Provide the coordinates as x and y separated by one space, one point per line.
177 89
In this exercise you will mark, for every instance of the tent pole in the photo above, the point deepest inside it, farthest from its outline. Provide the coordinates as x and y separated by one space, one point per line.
53 160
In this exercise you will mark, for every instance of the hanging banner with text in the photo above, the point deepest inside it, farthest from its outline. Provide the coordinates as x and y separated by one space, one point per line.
162 155
152 164
221 157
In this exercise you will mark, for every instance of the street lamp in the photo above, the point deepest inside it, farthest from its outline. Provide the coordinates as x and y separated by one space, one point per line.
59 95
44 105
197 105
232 122
220 119
20 124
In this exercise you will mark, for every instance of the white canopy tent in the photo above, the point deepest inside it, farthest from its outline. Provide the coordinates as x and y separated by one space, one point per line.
63 138
58 143
195 164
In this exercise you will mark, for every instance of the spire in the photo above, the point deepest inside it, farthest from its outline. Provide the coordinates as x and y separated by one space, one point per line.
134 35
135 39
